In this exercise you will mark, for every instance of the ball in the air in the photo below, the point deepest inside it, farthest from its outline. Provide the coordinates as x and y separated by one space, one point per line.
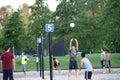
72 25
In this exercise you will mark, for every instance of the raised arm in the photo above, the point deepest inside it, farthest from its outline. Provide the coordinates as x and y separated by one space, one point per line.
70 45
76 44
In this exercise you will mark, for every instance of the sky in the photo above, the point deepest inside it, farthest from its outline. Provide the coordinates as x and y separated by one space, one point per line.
17 3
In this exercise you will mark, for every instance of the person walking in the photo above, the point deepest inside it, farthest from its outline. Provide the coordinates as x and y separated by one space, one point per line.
73 54
24 61
8 64
108 62
103 59
87 65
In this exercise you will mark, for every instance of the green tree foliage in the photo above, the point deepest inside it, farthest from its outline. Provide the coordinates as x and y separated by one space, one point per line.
13 30
5 12
110 24
85 16
40 15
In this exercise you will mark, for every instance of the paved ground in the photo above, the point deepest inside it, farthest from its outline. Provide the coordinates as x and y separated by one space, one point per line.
98 75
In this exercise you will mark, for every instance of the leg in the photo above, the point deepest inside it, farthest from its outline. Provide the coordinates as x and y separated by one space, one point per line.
10 74
76 72
24 69
104 63
86 75
76 69
103 67
109 66
69 74
70 69
89 75
5 75
59 70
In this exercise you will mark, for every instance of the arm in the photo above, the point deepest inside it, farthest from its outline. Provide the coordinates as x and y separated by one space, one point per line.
27 58
76 44
81 64
14 64
108 56
70 45
1 64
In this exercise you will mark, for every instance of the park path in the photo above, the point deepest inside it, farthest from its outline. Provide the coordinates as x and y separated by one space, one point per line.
98 75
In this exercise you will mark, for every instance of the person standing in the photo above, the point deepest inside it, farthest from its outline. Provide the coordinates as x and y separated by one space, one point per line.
87 65
8 64
108 62
73 54
103 59
24 63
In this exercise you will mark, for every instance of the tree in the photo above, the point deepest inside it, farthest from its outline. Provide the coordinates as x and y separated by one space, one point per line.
40 15
86 19
13 30
25 14
110 24
5 12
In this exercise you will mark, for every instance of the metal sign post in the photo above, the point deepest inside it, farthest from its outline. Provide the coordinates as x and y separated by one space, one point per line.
38 53
50 28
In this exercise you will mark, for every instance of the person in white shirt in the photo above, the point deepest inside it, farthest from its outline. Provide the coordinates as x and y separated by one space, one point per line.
103 59
87 65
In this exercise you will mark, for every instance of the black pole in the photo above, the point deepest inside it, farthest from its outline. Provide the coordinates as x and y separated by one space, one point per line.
37 63
50 57
37 53
42 59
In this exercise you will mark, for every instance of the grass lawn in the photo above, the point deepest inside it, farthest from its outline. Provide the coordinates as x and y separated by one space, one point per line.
64 61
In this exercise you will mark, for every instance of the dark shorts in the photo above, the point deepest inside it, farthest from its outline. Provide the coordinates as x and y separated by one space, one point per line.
103 62
109 64
73 65
56 65
88 74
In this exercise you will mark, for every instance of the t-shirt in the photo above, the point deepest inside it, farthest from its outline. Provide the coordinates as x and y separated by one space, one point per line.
73 55
24 59
7 62
87 64
102 56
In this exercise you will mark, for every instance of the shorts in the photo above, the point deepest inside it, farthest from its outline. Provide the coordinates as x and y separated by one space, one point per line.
73 65
23 67
56 65
109 64
103 62
88 74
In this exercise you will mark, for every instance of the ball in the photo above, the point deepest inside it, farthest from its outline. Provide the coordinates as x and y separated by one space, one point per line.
72 25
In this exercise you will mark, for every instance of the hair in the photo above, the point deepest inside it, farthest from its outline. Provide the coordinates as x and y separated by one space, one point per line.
83 54
107 50
6 48
54 58
103 49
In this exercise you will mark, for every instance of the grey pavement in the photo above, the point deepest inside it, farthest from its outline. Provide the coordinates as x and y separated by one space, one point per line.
98 75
